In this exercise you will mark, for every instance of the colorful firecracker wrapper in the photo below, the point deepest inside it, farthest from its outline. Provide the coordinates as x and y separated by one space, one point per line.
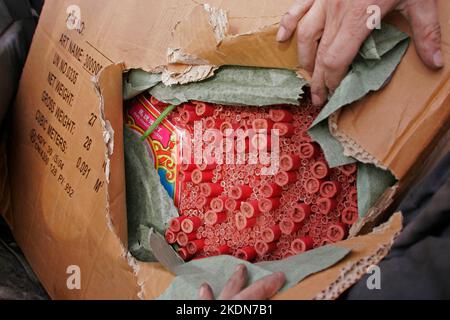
162 144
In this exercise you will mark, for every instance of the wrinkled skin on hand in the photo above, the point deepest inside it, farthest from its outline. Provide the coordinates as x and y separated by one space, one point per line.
331 33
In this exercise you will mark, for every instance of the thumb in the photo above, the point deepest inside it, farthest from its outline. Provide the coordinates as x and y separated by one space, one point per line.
424 20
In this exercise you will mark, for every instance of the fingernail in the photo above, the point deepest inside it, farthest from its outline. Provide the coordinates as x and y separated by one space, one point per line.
239 268
282 34
437 58
316 100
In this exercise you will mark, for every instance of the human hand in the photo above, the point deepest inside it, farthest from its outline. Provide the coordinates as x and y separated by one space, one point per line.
262 289
331 33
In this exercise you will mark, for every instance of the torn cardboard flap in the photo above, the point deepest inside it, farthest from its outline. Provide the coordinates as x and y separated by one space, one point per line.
256 48
182 74
366 75
119 32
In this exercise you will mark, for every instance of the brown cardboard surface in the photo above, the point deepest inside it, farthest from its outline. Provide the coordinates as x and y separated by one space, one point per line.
254 47
55 230
62 216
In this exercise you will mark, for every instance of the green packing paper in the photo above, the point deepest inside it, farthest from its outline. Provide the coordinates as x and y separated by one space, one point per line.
381 42
387 47
332 148
297 268
217 270
148 203
238 86
371 184
137 81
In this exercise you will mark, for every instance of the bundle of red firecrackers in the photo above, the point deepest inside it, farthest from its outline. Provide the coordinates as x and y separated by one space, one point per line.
235 210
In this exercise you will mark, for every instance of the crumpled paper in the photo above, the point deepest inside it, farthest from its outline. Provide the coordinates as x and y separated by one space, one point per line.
148 203
234 85
372 69
137 81
372 182
217 270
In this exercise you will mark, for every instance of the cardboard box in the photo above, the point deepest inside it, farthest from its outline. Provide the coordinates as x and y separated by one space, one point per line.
65 156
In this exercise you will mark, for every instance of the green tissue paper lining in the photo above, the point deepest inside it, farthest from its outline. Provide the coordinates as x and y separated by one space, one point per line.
217 270
238 86
381 42
138 81
332 148
148 203
372 182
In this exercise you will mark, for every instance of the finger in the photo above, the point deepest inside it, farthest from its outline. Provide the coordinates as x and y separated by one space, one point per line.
335 12
291 18
236 283
206 292
339 55
424 21
263 289
310 30
319 91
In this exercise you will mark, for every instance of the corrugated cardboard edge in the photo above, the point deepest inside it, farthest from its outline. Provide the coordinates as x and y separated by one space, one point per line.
354 271
249 48
220 47
184 68
106 86
142 273
351 148
146 276
365 224
367 250
114 151
182 74
212 24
